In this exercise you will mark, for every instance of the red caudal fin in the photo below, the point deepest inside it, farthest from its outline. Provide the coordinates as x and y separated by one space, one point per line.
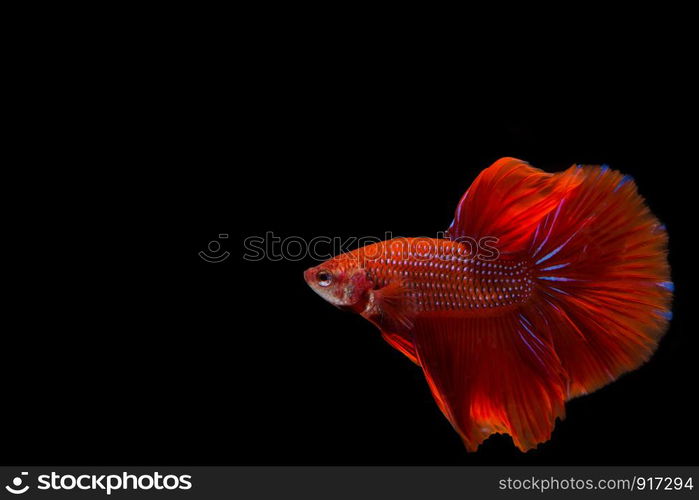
508 200
492 375
603 281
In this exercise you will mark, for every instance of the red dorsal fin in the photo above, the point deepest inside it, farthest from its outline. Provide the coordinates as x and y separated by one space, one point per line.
507 201
492 375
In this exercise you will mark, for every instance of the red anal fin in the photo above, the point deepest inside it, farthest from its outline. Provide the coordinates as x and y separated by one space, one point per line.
492 375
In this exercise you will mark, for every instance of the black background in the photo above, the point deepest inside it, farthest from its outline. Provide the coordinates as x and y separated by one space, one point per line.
131 349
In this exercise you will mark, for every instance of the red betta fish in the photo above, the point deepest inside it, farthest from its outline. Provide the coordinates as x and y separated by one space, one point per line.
577 294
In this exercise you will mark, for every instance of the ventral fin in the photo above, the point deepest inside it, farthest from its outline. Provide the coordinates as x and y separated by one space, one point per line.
402 342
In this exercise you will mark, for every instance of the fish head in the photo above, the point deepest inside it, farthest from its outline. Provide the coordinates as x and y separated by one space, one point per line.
342 281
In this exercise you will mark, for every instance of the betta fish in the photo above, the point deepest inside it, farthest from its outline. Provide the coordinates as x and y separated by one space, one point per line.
573 290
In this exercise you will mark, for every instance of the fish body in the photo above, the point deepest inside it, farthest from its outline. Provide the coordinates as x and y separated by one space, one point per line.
572 290
444 276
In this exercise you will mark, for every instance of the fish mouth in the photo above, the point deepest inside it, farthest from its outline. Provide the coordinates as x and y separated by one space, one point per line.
308 275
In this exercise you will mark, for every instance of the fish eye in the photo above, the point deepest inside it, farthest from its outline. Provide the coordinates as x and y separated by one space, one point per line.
324 278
